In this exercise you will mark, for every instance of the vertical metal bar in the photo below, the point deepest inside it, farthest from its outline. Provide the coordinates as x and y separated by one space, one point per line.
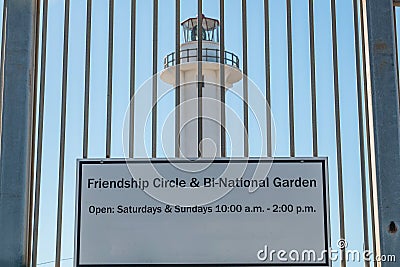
87 78
110 75
338 132
177 76
313 82
367 128
222 75
290 74
62 135
39 150
154 94
383 96
245 81
132 81
33 138
395 41
199 75
361 132
3 52
267 78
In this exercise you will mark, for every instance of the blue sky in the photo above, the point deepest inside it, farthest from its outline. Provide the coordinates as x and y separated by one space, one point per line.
279 89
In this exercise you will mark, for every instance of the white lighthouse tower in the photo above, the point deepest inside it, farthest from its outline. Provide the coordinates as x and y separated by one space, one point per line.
210 145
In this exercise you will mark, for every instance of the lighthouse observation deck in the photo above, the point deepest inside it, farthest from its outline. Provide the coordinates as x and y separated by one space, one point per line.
210 51
208 54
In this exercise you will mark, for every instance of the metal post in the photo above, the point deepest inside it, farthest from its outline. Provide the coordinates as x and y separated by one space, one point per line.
63 122
199 76
177 76
267 78
87 79
154 82
361 130
110 76
39 150
384 116
16 132
222 75
132 81
339 159
313 79
290 76
367 129
245 81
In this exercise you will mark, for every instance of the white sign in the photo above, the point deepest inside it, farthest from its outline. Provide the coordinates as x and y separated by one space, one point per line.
221 212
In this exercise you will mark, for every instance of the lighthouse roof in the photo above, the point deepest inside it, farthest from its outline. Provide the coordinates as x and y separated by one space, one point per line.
207 23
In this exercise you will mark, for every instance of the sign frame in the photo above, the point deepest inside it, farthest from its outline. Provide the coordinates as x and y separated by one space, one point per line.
326 205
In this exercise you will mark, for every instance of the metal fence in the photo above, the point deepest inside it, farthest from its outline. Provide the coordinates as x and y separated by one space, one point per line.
330 45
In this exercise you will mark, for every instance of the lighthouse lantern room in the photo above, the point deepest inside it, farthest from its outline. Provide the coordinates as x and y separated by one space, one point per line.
210 29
